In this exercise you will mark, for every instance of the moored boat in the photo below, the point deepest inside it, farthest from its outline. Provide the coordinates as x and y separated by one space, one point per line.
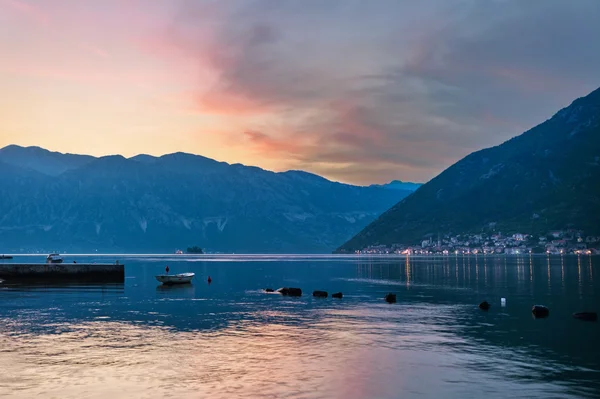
182 278
54 258
5 257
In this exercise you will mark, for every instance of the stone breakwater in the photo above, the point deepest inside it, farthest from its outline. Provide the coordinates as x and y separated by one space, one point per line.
62 271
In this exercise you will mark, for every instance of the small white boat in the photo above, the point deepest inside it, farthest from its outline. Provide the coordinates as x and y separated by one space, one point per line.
182 278
54 258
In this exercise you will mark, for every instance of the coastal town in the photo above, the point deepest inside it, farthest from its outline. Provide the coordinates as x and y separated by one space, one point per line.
556 242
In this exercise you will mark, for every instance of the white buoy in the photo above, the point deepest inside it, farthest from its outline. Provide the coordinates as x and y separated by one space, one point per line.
503 302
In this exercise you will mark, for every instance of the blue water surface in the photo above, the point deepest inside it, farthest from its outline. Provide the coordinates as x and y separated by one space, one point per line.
229 338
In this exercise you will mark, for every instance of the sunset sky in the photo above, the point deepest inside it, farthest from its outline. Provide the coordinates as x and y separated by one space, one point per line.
357 91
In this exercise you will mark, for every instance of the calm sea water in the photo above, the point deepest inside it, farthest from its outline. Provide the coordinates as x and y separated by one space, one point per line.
229 339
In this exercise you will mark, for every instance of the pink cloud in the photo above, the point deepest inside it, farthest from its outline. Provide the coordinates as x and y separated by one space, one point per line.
223 103
293 146
96 50
353 127
52 23
316 97
28 9
351 144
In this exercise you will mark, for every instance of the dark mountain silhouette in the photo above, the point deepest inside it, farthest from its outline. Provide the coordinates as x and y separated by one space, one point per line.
41 160
546 178
52 201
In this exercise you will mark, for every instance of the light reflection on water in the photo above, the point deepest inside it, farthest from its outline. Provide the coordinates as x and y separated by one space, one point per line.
139 339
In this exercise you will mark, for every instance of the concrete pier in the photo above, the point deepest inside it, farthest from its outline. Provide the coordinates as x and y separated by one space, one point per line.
62 271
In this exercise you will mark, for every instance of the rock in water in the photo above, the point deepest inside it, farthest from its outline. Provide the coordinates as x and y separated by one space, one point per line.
290 291
390 298
269 290
320 294
587 316
337 295
540 311
484 305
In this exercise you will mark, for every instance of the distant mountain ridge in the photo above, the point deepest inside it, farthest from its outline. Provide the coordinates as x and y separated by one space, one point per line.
399 185
68 202
41 160
547 178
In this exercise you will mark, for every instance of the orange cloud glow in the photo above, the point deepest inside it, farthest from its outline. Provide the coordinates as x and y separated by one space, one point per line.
363 92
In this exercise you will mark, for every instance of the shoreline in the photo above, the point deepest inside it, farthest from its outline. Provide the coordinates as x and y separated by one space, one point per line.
288 255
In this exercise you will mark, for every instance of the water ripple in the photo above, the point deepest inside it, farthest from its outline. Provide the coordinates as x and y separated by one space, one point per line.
231 339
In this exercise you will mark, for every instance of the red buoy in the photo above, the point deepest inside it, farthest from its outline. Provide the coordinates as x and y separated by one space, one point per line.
167 269
209 280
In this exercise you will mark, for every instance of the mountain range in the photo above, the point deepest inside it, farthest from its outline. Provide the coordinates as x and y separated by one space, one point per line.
547 178
78 203
399 185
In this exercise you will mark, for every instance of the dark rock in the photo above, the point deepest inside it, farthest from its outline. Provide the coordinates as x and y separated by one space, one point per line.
337 295
484 305
587 316
269 290
390 298
320 294
540 311
290 291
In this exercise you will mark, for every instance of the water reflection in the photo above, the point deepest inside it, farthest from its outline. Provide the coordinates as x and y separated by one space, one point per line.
549 275
176 288
562 270
407 271
579 275
230 339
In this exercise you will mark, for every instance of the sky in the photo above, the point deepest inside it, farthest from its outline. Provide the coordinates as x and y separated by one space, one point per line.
357 91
